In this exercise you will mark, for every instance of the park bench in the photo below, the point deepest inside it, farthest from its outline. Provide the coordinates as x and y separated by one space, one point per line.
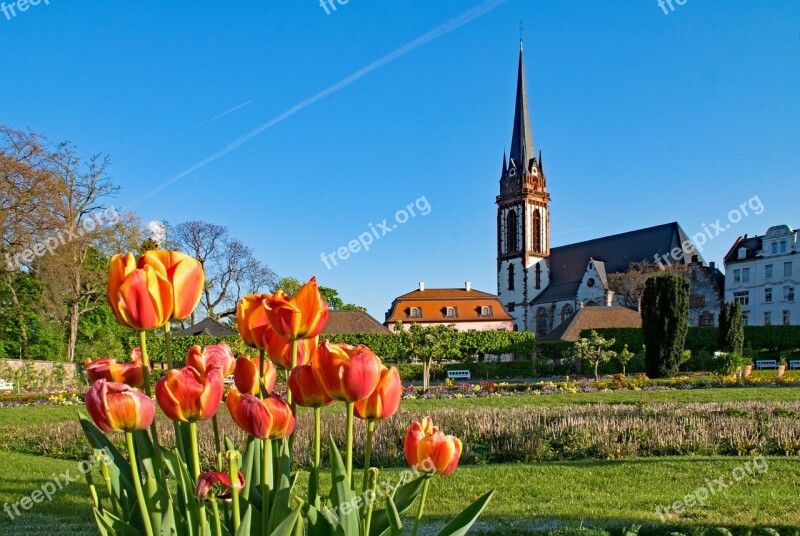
6 386
229 379
794 364
459 375
766 364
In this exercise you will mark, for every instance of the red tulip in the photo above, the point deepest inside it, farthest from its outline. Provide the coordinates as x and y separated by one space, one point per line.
429 449
384 400
108 369
300 317
247 376
116 407
219 482
348 373
279 349
184 273
188 396
251 314
217 356
141 299
306 389
271 418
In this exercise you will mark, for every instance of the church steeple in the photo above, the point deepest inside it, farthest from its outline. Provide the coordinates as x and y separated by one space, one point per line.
522 149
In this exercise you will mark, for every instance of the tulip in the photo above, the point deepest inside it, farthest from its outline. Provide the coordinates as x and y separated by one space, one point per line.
347 373
270 418
384 400
117 407
428 448
306 389
217 356
300 317
247 376
108 369
184 273
279 350
220 482
141 299
188 396
251 314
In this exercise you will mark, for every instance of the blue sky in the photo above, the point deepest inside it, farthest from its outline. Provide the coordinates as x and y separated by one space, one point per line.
643 118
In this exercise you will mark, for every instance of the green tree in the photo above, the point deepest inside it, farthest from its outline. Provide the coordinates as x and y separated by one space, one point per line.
731 328
624 357
595 349
665 322
289 285
335 303
428 344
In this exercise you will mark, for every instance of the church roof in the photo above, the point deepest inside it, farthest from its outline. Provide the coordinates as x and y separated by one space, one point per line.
616 253
522 150
594 318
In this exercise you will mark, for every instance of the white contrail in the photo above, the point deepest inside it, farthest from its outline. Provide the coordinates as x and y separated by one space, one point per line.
424 39
223 114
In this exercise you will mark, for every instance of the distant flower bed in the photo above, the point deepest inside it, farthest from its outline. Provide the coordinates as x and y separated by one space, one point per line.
58 398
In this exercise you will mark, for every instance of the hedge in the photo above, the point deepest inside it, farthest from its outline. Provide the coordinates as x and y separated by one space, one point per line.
479 371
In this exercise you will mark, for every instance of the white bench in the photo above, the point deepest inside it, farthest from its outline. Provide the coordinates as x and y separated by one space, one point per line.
459 375
794 364
766 364
6 386
229 379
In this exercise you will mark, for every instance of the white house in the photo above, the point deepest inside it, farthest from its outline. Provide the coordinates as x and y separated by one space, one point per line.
763 274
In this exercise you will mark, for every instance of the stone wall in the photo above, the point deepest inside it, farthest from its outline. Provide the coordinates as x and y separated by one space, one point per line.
30 375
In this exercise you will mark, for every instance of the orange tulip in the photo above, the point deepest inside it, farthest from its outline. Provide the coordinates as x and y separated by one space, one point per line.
184 273
108 369
429 449
279 349
271 418
300 317
247 376
347 373
306 389
217 356
384 400
251 314
188 396
141 299
219 482
116 407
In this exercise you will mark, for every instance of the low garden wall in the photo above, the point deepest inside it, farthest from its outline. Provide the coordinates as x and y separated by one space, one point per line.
39 375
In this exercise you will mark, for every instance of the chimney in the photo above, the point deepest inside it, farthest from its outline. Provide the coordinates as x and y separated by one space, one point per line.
468 286
712 265
422 285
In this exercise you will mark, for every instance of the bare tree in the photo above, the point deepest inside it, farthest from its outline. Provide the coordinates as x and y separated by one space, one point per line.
628 286
232 269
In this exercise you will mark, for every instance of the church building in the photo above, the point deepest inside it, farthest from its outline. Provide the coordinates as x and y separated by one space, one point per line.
540 286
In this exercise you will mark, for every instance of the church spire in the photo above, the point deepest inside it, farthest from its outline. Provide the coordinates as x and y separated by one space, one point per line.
522 139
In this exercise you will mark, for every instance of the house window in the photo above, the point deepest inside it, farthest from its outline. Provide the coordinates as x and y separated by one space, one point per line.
706 320
767 295
774 248
783 246
768 271
697 302
512 245
541 321
788 294
510 307
787 269
510 277
566 312
415 312
787 317
451 312
737 276
745 275
767 318
742 297
486 311
538 276
745 321
742 253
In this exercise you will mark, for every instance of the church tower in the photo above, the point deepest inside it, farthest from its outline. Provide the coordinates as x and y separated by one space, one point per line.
523 218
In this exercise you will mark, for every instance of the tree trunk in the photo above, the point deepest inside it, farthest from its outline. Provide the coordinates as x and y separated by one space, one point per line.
596 369
426 375
74 313
23 333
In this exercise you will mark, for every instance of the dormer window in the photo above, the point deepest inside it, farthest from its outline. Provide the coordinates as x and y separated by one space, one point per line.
451 312
415 312
486 311
743 252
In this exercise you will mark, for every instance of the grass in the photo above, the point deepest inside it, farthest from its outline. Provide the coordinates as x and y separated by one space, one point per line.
529 498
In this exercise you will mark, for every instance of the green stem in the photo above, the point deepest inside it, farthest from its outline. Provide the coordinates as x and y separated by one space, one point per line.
137 485
421 506
217 442
233 464
266 480
168 345
372 478
148 389
349 444
262 359
196 468
217 523
368 452
317 436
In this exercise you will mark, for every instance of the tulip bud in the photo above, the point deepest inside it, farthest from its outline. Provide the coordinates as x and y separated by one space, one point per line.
184 273
300 317
306 389
247 375
384 400
108 369
116 407
140 299
251 315
188 396
348 373
217 356
426 447
279 349
271 418
218 483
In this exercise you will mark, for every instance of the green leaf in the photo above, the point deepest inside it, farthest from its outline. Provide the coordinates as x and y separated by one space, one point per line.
463 521
318 524
402 497
286 528
247 520
395 523
281 506
342 496
180 472
110 525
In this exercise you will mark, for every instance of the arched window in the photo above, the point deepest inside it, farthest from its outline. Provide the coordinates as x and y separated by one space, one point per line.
538 276
541 321
537 231
566 312
510 277
511 232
